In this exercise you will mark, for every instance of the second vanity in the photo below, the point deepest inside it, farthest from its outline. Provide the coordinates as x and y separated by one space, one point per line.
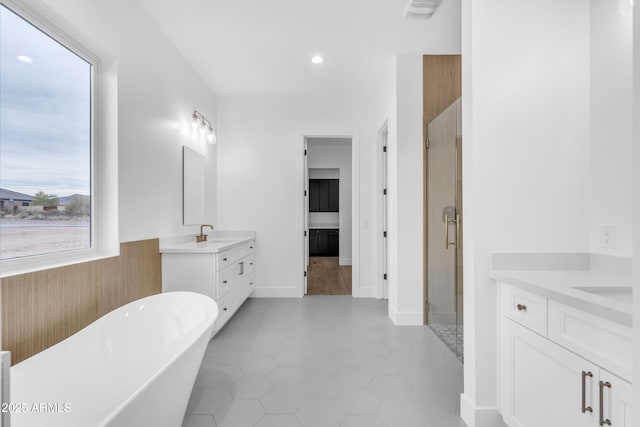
223 267
565 339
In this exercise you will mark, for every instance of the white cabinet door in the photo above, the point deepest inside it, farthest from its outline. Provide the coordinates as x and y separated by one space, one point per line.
541 384
616 400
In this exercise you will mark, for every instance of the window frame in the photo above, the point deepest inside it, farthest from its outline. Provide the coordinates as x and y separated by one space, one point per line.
100 246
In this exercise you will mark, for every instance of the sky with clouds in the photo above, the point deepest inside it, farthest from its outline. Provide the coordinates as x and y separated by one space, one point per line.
45 112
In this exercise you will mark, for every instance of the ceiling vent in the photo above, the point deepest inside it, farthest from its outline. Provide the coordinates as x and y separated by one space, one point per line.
421 9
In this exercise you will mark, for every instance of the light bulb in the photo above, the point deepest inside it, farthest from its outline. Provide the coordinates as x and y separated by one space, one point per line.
203 128
194 121
211 137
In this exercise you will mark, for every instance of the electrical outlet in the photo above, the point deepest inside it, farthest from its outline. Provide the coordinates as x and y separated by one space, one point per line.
608 236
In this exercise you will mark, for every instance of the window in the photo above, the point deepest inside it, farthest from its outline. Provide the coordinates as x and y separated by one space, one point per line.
46 143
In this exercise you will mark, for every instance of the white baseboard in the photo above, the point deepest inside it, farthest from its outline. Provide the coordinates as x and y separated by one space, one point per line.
276 293
345 261
405 318
365 293
478 416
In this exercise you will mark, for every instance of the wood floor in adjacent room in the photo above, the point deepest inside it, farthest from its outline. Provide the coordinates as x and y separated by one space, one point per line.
326 277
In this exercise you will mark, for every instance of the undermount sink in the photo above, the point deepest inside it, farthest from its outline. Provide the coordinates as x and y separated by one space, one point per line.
618 293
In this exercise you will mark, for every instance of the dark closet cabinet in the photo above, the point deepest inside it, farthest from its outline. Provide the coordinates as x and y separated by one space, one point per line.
324 242
324 195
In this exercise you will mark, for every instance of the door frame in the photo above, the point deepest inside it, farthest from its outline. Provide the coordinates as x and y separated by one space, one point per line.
303 180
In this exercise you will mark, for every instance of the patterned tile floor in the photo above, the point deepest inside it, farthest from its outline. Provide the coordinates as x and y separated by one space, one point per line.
324 361
452 336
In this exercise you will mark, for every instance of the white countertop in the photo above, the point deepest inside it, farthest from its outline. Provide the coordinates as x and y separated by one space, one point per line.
560 285
217 241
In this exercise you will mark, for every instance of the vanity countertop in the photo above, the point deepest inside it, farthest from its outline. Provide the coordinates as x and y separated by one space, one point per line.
595 287
217 241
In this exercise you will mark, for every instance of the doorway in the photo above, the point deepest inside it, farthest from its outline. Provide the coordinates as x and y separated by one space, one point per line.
328 216
443 199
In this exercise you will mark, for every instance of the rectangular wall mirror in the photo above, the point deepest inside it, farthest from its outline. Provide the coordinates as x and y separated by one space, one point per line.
193 186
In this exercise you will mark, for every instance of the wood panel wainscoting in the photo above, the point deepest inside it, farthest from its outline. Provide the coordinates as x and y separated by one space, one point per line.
42 308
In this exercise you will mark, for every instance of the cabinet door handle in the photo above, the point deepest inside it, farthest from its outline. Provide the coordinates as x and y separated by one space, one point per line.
241 268
521 307
224 259
603 421
224 281
584 407
224 309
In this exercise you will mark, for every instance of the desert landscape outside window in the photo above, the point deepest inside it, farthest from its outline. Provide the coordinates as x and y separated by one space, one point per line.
45 143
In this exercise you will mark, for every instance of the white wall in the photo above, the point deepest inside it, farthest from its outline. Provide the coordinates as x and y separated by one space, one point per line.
406 195
611 124
635 197
526 157
260 178
156 95
325 154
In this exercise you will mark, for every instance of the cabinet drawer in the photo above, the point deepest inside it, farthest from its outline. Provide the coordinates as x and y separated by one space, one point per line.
225 283
225 309
232 255
526 308
603 342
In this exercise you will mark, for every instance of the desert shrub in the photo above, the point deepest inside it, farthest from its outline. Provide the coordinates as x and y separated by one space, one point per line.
79 205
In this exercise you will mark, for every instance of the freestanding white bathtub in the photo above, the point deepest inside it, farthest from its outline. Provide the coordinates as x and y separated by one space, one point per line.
134 367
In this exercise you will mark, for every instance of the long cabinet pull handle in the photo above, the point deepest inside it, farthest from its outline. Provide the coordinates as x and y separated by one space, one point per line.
241 268
603 421
585 408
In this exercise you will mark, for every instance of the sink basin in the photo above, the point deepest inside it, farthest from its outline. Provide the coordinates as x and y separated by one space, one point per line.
618 293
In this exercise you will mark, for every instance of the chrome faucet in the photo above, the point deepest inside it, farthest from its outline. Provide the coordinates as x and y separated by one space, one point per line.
203 237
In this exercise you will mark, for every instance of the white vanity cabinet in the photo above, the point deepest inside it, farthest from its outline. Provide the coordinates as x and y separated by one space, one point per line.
551 374
227 275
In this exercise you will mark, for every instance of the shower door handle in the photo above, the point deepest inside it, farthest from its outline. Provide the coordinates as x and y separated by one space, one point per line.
447 222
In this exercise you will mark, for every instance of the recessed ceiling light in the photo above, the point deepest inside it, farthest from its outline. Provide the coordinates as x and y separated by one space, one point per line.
25 59
317 60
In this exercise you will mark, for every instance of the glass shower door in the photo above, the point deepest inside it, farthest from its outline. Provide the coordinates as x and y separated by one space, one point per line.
444 228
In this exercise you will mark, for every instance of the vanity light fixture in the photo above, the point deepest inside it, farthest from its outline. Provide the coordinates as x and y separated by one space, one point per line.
200 123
